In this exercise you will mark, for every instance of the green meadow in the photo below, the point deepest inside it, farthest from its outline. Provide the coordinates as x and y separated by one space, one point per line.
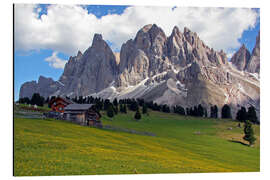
178 144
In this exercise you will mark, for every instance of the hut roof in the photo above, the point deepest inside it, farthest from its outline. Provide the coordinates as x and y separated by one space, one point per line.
69 101
78 106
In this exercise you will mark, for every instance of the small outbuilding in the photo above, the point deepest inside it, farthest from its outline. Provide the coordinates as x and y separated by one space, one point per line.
83 114
59 103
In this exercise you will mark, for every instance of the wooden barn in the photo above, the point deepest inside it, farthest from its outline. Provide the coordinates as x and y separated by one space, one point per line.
83 114
59 103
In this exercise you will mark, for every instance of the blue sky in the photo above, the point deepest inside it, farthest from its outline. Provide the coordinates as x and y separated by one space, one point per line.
47 35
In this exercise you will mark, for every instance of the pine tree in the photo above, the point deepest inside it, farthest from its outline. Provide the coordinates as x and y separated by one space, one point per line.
215 108
121 107
24 100
251 115
205 113
115 102
134 105
226 111
115 109
110 112
107 103
241 114
37 100
137 114
144 109
125 108
195 111
80 101
200 110
187 111
249 134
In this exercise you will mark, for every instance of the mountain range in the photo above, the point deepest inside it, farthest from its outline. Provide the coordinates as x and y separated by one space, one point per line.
176 70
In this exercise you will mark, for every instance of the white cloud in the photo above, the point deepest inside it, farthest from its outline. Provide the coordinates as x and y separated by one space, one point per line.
55 61
68 29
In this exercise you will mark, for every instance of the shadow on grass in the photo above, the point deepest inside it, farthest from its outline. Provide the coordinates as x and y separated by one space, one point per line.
239 142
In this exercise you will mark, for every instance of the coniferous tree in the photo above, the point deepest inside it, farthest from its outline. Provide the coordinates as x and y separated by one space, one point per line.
110 112
205 113
226 111
251 115
121 107
115 109
115 102
37 100
200 110
134 105
187 111
24 100
179 110
107 103
144 108
215 111
241 114
125 108
165 108
137 114
249 133
80 101
195 111
212 112
47 100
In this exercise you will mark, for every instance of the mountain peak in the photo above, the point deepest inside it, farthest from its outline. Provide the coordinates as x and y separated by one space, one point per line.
79 53
241 58
243 47
146 28
97 38
175 30
186 30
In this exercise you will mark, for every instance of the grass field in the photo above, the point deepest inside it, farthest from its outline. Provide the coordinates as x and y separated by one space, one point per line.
181 144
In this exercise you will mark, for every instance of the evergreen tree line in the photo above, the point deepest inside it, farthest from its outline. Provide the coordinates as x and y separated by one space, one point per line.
35 100
123 105
243 115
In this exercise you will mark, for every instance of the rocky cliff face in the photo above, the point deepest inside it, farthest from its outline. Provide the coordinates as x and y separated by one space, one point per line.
179 69
244 61
241 58
45 87
90 72
254 63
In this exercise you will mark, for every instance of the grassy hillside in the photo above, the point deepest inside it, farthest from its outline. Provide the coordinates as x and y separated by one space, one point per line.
181 144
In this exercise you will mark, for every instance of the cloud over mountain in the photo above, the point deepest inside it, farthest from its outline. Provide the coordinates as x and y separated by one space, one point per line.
69 28
55 61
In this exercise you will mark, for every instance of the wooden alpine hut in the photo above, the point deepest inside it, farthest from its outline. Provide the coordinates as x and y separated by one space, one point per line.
83 114
59 103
